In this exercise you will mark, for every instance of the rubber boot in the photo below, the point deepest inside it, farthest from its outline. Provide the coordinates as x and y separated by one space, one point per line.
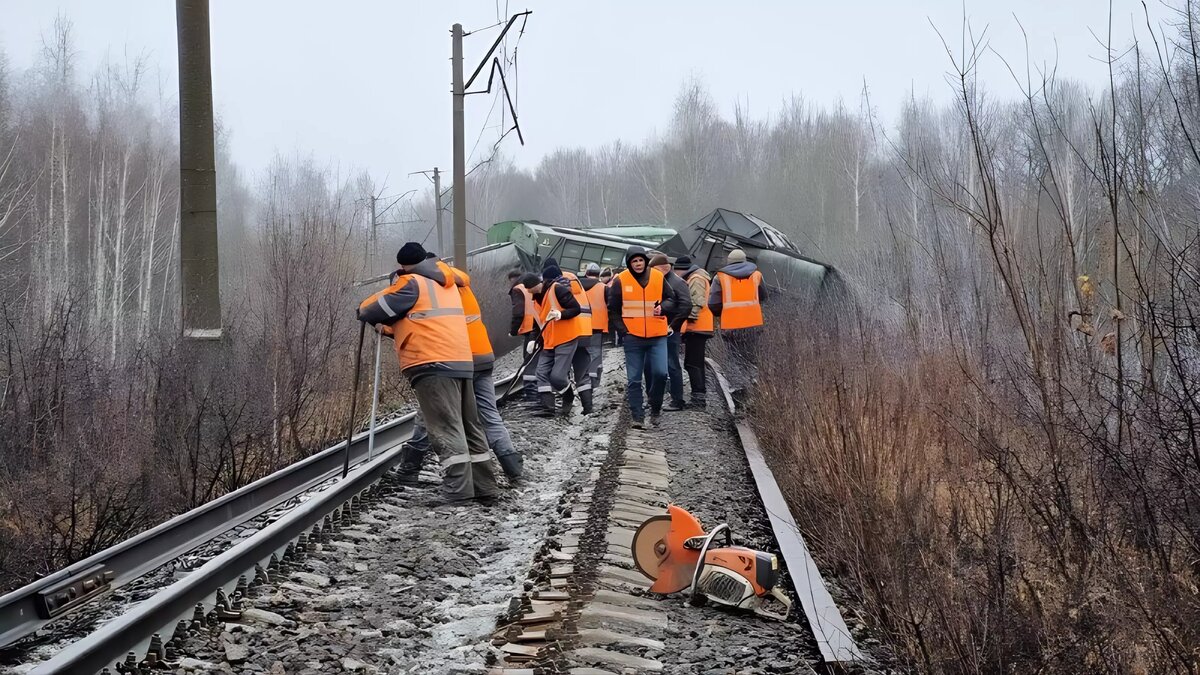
512 464
568 398
546 409
410 465
530 392
585 398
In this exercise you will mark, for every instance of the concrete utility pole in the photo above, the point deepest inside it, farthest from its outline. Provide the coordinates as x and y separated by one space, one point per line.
437 200
460 144
200 283
460 150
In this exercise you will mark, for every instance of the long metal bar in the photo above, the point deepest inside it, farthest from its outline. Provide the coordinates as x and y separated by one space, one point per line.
824 618
500 38
374 397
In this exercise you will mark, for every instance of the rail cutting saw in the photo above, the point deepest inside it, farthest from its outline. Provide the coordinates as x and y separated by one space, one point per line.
676 552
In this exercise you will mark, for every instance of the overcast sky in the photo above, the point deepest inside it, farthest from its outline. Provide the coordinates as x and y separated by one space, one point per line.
366 84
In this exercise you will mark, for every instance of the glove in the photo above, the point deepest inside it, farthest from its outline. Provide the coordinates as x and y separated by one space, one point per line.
553 315
530 347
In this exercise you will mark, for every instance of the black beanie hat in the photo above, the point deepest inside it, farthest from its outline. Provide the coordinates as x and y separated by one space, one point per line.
410 253
550 262
530 280
682 263
551 272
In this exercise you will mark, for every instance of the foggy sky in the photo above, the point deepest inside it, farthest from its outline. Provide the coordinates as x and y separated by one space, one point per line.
366 84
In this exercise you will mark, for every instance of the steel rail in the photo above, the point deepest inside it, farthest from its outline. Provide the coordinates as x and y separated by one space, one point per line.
834 639
23 611
132 631
159 614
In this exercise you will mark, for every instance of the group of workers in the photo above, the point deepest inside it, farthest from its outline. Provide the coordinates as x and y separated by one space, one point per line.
654 309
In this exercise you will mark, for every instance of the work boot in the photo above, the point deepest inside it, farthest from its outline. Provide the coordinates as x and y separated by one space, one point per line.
637 423
512 464
699 400
675 406
568 399
585 398
408 473
531 393
655 417
546 409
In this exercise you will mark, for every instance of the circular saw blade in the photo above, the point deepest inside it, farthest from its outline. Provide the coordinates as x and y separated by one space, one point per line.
649 547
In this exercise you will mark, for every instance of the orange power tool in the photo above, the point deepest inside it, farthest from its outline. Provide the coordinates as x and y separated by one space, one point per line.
677 554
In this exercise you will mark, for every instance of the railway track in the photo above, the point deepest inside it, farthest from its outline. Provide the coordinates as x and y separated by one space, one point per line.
582 606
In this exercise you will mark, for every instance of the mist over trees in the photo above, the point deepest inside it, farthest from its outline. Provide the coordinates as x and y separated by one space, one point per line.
996 450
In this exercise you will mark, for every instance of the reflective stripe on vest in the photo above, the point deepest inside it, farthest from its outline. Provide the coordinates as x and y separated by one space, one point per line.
559 331
704 320
481 346
637 304
595 296
739 301
530 311
435 329
585 305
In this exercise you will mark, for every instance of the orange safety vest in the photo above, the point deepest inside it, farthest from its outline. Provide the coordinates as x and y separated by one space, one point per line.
637 304
481 346
704 320
530 311
585 305
599 310
559 331
739 301
434 330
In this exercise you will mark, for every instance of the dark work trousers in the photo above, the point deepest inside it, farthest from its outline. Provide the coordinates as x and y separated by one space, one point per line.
674 369
529 377
452 420
674 383
555 367
596 358
648 357
498 438
693 361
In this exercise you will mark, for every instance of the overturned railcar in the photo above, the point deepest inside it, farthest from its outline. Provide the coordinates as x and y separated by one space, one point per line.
709 240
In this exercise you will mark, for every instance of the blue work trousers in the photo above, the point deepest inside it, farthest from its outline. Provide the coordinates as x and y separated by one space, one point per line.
647 355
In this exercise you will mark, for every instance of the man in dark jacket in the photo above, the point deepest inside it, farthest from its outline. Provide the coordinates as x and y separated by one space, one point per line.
739 275
683 307
560 357
643 326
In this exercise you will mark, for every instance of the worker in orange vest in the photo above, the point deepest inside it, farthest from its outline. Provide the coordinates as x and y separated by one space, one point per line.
697 329
424 312
484 358
639 303
565 331
524 321
736 300
597 298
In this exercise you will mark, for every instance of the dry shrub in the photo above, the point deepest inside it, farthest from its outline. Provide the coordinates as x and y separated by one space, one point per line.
973 545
